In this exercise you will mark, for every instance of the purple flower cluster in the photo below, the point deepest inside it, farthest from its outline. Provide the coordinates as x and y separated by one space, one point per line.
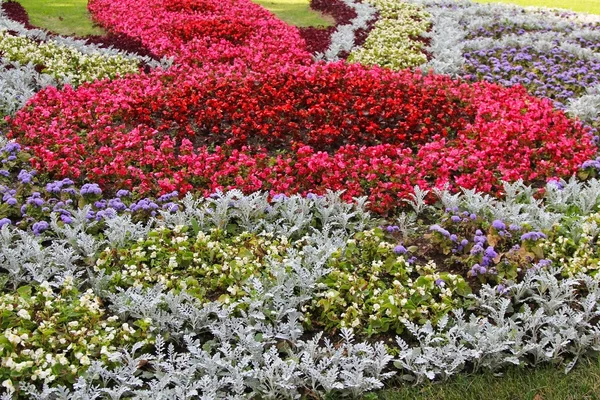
558 74
533 236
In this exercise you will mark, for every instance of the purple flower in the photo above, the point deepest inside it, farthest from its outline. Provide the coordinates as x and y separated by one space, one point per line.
171 207
66 219
400 249
90 189
12 147
54 187
166 197
499 225
392 228
456 218
4 173
39 227
122 193
4 221
25 177
490 252
502 289
117 204
280 197
439 229
440 282
533 236
477 249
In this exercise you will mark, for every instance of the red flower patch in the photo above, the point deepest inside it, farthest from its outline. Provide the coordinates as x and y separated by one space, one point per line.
368 131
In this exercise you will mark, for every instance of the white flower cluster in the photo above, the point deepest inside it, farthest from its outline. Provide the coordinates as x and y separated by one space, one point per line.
394 41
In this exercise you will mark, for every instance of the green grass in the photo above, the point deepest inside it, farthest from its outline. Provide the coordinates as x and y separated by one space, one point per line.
296 12
587 6
547 383
66 17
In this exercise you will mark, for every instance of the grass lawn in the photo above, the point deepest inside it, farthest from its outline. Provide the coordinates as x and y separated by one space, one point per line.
587 6
295 12
547 383
66 17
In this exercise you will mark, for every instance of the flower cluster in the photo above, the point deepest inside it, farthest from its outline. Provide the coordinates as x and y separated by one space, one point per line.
62 62
486 251
209 266
212 33
52 334
314 129
395 40
374 289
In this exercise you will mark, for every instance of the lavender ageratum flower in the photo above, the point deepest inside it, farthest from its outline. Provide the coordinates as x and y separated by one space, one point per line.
70 191
454 238
171 207
490 252
400 250
312 196
66 219
498 225
11 201
25 177
122 193
39 227
67 182
36 201
90 189
167 197
4 173
100 204
439 229
502 289
514 227
117 204
477 249
54 187
590 164
456 218
533 236
279 197
11 147
464 242
5 221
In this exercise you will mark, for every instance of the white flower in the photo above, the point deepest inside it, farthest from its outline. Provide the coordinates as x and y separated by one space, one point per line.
9 386
24 314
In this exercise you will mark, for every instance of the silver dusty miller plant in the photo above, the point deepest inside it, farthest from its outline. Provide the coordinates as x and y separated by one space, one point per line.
542 319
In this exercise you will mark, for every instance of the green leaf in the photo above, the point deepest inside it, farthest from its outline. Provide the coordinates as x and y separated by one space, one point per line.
24 292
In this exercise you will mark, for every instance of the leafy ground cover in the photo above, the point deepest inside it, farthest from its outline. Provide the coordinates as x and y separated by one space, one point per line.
257 279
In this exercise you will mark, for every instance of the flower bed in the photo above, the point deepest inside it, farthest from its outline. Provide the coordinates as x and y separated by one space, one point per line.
165 28
225 294
301 134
